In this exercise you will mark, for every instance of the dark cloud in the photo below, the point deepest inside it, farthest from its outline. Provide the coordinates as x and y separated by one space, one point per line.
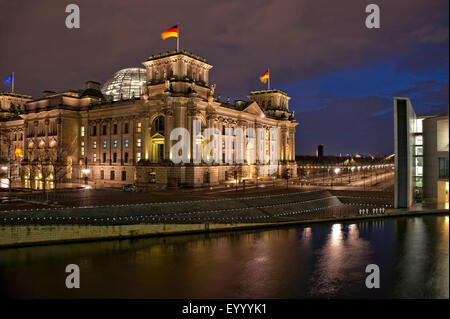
297 39
427 96
425 58
355 127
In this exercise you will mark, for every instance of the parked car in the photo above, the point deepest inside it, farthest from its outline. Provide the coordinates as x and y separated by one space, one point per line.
129 188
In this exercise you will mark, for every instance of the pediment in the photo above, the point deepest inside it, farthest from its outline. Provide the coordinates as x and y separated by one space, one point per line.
157 135
254 109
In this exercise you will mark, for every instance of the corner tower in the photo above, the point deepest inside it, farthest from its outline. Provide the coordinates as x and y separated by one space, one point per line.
274 102
177 72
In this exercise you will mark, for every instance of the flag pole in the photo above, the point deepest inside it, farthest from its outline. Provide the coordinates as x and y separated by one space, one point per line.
268 80
178 38
12 84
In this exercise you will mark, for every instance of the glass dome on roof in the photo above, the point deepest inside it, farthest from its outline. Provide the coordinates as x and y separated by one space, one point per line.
125 83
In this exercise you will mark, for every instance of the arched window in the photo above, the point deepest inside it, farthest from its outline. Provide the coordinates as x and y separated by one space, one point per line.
158 124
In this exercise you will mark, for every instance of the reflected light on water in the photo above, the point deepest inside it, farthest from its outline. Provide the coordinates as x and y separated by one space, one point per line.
307 233
353 232
336 234
320 261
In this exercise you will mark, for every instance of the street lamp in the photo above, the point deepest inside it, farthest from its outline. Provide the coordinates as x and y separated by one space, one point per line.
85 171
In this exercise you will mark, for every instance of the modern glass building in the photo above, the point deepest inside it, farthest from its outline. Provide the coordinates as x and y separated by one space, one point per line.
421 162
125 84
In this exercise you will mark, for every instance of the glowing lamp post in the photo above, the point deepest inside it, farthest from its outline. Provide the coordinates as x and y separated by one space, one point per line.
85 172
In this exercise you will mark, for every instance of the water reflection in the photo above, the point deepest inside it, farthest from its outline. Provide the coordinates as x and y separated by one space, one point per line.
323 261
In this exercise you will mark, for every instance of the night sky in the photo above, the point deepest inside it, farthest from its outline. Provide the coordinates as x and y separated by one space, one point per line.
342 77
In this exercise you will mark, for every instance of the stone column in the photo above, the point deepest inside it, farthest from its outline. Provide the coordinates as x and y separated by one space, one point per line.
168 119
284 143
59 130
292 148
132 142
46 130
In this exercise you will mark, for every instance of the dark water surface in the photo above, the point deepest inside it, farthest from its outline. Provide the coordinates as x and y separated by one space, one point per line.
320 261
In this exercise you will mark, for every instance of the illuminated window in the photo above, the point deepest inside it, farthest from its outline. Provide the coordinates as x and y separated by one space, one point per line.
94 144
82 131
138 157
115 143
139 127
419 140
82 148
419 126
126 143
419 170
105 143
139 142
94 157
443 167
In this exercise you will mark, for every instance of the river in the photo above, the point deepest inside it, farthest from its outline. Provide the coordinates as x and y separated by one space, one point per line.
317 261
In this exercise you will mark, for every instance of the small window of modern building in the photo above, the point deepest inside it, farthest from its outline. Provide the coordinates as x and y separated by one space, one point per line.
104 129
442 135
418 140
115 129
124 175
115 157
443 168
112 175
104 157
125 155
102 174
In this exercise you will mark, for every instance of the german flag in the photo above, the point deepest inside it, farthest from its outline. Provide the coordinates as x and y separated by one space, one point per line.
265 77
170 33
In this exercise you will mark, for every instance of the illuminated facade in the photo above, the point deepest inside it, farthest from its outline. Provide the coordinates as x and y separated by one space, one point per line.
421 148
125 139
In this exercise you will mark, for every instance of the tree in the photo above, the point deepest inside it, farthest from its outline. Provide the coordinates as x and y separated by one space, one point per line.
9 159
50 164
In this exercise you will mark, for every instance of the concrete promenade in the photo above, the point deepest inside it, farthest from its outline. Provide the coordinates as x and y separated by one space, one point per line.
57 225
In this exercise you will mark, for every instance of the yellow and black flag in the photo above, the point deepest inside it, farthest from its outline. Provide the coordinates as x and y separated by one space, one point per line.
170 33
263 78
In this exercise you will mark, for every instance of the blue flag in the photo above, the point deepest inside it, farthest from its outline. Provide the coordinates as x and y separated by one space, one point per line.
9 79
